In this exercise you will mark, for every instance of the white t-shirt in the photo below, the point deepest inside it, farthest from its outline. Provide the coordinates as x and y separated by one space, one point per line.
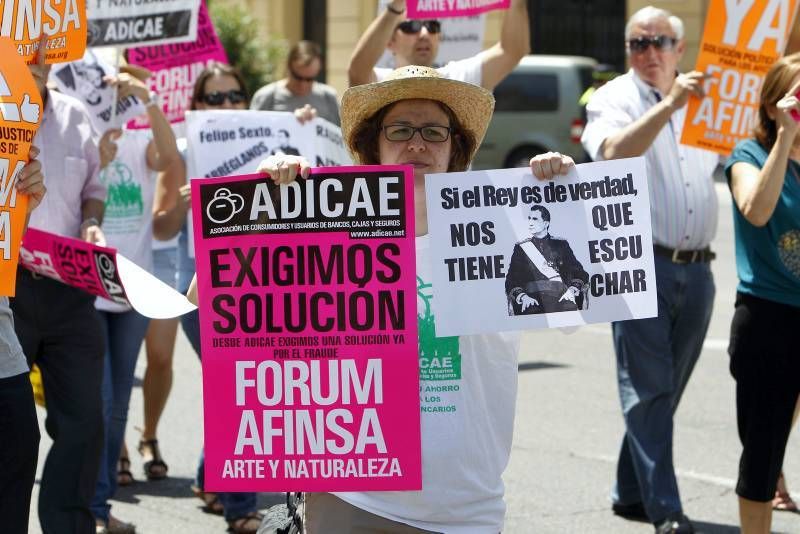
468 391
468 70
128 220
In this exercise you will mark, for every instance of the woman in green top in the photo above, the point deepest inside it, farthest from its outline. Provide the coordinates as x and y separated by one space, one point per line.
764 178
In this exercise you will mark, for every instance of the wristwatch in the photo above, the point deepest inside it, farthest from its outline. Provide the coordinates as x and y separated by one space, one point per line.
154 101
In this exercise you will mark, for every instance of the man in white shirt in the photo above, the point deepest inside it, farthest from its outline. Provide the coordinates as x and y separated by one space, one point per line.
642 113
416 42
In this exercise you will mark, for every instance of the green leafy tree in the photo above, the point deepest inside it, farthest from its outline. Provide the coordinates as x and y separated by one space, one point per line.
260 60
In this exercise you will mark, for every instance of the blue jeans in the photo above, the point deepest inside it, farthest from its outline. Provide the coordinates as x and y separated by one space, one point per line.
236 504
124 334
655 358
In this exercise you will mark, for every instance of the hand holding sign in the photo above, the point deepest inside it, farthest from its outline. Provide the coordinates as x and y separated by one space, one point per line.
684 85
30 181
284 169
108 146
546 166
788 113
128 85
305 114
92 233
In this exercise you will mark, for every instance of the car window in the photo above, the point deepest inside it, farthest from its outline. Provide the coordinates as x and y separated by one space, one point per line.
585 74
527 92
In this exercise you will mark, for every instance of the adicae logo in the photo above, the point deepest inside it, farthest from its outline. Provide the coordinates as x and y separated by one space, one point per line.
224 206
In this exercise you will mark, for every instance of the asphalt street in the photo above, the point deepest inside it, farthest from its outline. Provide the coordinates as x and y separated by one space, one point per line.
567 435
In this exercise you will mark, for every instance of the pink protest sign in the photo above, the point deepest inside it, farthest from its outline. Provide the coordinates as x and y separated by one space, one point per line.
442 9
102 272
73 262
309 332
175 68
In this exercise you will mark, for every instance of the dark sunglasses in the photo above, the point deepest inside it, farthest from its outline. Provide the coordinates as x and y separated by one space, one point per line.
217 98
403 132
299 78
659 42
415 26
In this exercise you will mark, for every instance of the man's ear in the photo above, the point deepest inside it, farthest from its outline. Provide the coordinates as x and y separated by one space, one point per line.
680 48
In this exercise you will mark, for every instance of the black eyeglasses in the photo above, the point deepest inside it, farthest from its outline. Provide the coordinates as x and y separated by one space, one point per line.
404 132
299 78
659 42
217 98
415 26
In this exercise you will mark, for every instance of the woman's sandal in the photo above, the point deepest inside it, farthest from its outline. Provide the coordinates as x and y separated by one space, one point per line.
155 468
247 524
211 502
124 475
783 501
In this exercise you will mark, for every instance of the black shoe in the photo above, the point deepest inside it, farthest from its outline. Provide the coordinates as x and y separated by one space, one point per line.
676 524
633 511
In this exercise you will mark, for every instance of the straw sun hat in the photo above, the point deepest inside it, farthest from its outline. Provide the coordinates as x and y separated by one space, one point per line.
471 104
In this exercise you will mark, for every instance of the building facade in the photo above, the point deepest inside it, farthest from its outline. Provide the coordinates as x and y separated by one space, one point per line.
592 28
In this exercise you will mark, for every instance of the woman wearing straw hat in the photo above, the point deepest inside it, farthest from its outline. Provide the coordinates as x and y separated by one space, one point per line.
418 118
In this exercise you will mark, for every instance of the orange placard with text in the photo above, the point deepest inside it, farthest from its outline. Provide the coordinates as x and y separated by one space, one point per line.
62 21
741 41
20 115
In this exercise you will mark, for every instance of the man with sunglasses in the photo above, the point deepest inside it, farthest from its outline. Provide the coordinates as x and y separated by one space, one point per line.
416 42
642 113
299 91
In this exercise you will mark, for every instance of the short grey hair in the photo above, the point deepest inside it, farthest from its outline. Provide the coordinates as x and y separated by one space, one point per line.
650 13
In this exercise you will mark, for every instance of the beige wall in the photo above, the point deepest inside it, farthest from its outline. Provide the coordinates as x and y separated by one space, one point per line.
279 18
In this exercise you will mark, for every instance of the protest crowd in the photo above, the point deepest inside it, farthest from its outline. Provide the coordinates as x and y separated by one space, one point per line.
124 246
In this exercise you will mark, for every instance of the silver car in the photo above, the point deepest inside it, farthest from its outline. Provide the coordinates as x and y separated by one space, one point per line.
537 111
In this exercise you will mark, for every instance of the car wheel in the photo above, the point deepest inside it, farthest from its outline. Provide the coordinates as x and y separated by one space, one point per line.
521 157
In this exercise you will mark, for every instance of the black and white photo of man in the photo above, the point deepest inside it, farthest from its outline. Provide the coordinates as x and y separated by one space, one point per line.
544 276
283 145
85 78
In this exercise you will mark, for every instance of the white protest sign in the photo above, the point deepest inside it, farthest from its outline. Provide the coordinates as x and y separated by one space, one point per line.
233 142
461 37
511 252
127 22
84 80
148 295
225 142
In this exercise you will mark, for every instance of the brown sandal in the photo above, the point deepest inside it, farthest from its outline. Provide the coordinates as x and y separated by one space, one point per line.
782 501
155 468
247 524
124 475
211 502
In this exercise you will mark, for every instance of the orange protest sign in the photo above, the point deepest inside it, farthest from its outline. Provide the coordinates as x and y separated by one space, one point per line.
20 114
62 21
741 41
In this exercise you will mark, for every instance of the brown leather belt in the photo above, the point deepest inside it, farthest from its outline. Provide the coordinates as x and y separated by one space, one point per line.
685 256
